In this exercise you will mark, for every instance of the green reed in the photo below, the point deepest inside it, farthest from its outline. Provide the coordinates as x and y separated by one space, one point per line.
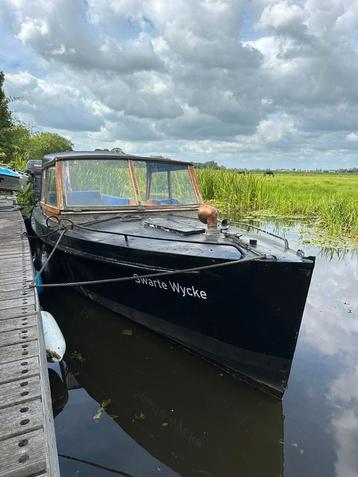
331 200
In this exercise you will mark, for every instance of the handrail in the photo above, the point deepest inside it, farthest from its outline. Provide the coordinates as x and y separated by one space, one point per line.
264 231
165 239
126 235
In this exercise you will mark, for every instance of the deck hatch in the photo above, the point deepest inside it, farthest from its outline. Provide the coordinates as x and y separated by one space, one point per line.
183 227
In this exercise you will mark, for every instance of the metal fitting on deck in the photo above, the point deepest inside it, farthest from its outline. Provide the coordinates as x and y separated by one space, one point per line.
209 215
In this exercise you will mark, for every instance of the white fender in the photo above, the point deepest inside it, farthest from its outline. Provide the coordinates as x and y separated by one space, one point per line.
54 341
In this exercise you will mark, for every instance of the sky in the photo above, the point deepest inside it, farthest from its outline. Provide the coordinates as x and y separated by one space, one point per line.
247 83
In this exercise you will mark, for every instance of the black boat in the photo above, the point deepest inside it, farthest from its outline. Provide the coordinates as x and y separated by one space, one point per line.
241 299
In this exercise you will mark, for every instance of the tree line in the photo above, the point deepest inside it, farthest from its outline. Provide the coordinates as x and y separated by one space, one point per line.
18 143
216 166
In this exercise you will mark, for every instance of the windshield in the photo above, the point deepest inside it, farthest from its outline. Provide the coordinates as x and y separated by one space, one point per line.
113 182
163 183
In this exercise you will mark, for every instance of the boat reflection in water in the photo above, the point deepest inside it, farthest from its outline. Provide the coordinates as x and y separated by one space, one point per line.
181 410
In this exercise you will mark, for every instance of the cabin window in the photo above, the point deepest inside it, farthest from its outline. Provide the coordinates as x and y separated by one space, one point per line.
105 183
163 183
98 183
50 196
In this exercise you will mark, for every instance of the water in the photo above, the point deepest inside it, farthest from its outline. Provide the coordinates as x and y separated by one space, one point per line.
138 405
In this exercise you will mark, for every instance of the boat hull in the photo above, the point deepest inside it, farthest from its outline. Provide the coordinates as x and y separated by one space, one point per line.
9 182
244 317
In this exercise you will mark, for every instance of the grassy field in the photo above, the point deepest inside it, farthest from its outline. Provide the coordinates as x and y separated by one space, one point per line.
328 200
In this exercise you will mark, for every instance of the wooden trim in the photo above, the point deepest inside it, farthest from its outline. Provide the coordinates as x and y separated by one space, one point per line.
49 209
134 181
148 184
129 209
170 193
59 184
195 184
43 184
58 189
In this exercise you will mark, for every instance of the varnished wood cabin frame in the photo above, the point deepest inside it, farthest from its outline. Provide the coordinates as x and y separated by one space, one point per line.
60 202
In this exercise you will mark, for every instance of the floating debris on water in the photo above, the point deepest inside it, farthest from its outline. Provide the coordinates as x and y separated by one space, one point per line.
78 356
104 405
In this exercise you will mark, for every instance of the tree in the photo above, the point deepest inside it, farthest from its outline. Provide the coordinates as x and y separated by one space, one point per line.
5 119
208 165
18 144
19 138
45 143
5 114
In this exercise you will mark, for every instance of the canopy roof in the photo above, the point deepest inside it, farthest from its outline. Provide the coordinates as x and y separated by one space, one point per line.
50 159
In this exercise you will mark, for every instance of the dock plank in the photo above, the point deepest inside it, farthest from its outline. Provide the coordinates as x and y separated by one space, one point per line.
18 351
21 418
17 392
14 284
21 290
23 456
18 302
26 367
27 439
18 323
23 335
22 311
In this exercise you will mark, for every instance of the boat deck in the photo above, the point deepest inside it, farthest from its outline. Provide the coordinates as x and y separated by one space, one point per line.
27 436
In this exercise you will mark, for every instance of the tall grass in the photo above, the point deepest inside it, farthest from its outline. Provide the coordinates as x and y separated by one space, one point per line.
329 199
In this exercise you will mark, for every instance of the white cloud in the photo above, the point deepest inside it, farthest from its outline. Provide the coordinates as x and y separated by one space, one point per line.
275 129
53 105
139 70
352 136
281 16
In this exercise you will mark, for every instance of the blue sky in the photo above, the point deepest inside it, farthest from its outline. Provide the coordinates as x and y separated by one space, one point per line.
259 83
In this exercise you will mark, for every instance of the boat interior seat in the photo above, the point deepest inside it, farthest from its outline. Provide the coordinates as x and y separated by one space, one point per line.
113 200
165 201
84 197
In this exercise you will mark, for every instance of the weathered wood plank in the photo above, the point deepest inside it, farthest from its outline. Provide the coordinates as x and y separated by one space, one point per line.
27 439
8 263
7 250
19 369
18 336
12 237
23 456
16 312
18 302
16 392
16 420
18 323
49 426
20 291
13 258
23 268
18 351
18 284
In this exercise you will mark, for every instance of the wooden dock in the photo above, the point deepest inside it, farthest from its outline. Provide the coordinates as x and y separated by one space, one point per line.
27 436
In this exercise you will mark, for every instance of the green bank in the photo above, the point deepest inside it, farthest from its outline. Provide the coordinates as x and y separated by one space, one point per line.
328 201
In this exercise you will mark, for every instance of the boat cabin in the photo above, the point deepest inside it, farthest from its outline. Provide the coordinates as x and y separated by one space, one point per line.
101 181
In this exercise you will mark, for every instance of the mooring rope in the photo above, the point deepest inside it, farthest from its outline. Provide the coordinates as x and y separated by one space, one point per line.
149 275
50 256
123 279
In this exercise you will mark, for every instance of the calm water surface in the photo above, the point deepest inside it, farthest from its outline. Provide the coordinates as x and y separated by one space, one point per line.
128 402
